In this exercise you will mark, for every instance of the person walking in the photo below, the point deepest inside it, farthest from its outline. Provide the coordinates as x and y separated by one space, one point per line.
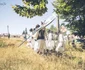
42 35
60 47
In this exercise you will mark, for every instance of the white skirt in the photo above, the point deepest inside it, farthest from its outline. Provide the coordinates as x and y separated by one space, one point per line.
36 47
60 47
50 44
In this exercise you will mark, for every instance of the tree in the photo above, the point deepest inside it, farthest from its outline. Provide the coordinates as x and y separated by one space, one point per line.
73 11
53 28
31 8
24 33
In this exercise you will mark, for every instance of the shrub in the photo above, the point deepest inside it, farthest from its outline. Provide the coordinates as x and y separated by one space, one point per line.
2 44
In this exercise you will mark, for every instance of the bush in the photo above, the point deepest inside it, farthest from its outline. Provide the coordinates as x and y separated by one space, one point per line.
2 44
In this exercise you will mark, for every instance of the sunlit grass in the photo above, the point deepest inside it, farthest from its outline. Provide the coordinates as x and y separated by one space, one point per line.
24 58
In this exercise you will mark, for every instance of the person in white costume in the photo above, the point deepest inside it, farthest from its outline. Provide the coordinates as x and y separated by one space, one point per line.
50 42
60 46
36 47
42 35
31 40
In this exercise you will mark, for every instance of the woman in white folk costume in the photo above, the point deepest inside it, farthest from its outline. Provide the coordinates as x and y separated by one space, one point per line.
60 46
50 42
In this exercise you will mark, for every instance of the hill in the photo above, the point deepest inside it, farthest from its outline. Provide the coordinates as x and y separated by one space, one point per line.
24 58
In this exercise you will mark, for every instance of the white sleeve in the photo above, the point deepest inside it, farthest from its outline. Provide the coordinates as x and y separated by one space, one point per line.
36 35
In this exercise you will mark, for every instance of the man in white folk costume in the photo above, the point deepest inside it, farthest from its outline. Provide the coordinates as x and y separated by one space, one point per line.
30 40
36 47
41 37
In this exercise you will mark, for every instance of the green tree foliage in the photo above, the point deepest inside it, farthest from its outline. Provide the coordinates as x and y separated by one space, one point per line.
31 8
53 28
74 13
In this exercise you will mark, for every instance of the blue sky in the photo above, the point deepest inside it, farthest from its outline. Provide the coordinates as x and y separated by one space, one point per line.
17 23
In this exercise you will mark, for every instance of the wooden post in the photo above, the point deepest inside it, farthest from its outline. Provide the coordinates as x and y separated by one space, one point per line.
58 25
8 31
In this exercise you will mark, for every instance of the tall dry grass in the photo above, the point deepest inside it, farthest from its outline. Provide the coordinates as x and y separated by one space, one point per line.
24 58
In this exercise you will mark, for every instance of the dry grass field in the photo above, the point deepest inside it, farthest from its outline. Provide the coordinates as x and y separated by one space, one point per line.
24 58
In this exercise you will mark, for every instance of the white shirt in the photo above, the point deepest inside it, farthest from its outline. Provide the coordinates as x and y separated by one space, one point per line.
60 39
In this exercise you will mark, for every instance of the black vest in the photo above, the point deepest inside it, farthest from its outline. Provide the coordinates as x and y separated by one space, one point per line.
41 34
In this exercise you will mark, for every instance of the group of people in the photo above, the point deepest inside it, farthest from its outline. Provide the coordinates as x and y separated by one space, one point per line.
44 41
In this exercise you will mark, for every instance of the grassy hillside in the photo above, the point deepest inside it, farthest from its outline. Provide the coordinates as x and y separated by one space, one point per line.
24 58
